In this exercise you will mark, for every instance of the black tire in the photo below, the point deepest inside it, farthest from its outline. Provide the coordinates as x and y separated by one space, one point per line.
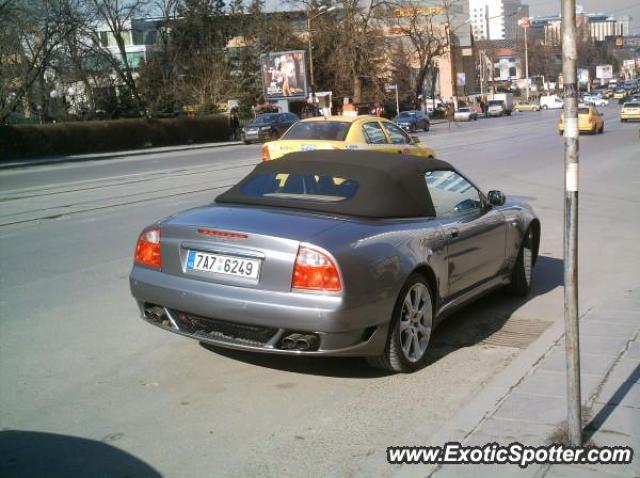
246 142
426 126
412 128
520 280
394 357
601 130
545 107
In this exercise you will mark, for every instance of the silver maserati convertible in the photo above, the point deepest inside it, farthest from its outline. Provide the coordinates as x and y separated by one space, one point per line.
341 253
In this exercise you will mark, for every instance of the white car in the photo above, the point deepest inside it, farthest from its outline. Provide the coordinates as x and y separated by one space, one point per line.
465 114
595 101
551 102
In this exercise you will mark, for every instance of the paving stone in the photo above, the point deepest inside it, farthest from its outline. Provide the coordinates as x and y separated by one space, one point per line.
488 471
509 431
633 352
615 392
602 345
616 419
593 364
601 328
538 409
554 384
577 471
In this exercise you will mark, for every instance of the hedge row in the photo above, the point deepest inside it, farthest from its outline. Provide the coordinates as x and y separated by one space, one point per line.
25 141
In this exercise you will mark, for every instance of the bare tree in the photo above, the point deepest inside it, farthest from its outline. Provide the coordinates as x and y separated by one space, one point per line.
428 32
31 32
117 16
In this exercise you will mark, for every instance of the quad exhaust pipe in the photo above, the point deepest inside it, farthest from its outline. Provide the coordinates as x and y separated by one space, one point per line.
300 342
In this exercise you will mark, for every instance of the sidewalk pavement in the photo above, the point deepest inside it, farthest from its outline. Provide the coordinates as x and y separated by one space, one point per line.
21 163
528 404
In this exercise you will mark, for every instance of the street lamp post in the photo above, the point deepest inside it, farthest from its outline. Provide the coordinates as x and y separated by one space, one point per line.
524 23
321 11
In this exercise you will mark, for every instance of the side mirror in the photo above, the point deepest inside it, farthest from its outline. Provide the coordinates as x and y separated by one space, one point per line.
415 139
497 198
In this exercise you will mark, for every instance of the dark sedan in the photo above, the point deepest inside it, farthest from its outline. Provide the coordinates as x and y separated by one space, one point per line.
268 127
413 120
343 253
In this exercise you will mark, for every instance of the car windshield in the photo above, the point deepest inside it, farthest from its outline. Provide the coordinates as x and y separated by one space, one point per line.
407 114
324 130
300 186
464 110
632 105
583 111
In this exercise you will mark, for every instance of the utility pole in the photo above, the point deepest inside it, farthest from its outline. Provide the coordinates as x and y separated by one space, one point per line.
524 22
321 11
571 163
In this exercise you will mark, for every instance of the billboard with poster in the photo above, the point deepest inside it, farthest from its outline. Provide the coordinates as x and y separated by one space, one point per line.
284 74
604 72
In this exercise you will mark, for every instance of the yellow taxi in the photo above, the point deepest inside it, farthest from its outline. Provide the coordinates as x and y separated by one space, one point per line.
589 120
608 94
630 111
618 94
527 106
345 132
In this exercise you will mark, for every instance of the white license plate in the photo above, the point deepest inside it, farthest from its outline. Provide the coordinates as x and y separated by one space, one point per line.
222 264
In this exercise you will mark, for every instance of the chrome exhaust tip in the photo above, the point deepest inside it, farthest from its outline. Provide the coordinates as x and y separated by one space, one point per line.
290 341
307 342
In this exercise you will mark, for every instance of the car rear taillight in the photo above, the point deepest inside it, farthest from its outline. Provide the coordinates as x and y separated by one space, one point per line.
148 249
265 153
315 270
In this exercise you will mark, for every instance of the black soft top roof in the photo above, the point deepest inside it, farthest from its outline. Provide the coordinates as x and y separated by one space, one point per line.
390 185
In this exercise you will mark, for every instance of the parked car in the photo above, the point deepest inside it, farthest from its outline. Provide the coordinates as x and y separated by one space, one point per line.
551 102
413 120
465 114
268 126
527 106
589 120
345 132
630 111
334 253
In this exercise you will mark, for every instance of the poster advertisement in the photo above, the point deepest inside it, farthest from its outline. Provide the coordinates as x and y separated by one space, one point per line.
583 76
284 74
604 72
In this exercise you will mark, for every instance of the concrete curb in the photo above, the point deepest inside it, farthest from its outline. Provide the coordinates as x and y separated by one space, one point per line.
25 163
488 400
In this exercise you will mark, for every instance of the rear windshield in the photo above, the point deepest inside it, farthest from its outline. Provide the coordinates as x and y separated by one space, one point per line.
327 130
464 110
266 118
496 103
632 105
583 111
407 114
297 186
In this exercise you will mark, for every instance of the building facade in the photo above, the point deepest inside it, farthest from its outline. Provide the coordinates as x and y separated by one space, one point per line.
496 19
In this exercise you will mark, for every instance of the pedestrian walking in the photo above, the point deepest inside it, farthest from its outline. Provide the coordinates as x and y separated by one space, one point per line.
449 114
234 124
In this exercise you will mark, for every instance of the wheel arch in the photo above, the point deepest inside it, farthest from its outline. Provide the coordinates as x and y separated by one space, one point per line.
536 229
427 273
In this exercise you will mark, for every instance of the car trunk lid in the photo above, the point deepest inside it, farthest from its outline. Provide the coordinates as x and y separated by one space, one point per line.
261 241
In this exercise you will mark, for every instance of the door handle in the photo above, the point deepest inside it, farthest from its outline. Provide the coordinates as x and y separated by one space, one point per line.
452 233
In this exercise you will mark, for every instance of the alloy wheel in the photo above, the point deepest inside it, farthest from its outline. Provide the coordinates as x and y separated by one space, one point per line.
527 258
416 321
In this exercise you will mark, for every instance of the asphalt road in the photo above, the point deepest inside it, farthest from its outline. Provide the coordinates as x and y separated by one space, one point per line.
76 362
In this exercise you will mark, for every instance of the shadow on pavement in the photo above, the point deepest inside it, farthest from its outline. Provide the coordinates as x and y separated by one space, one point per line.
465 328
597 421
31 454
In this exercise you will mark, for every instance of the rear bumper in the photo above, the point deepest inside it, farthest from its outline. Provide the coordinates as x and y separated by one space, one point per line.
630 116
342 330
256 135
